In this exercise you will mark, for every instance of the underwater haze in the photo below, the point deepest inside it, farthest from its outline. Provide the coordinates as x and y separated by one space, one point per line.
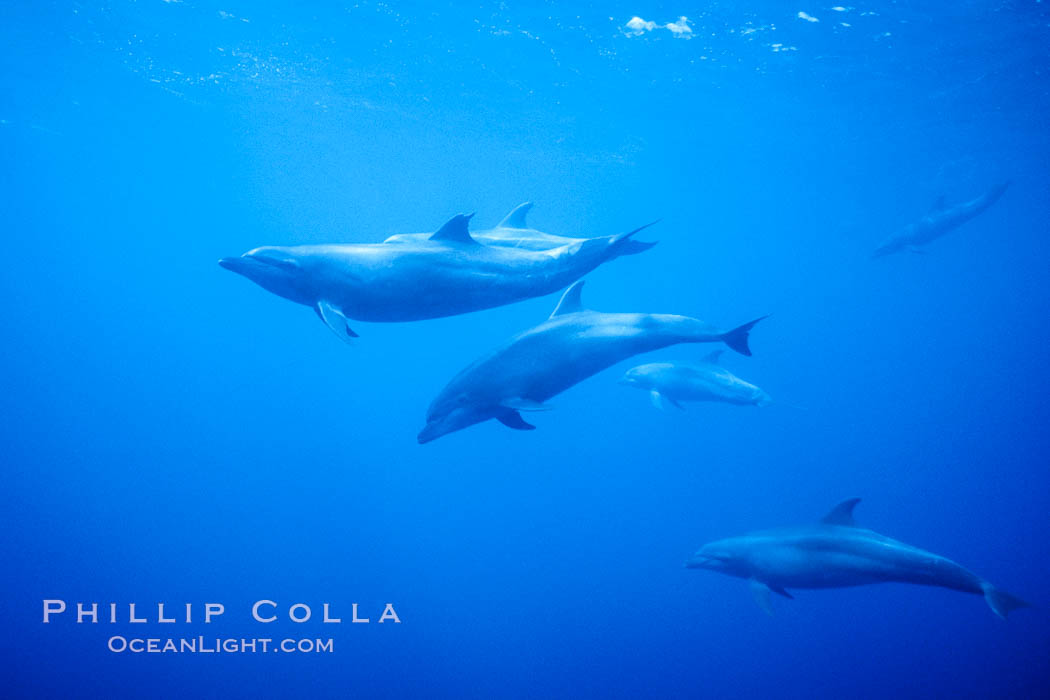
172 433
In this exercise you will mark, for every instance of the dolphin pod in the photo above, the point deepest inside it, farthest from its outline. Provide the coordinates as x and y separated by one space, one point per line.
837 553
419 276
545 360
445 273
514 232
938 222
708 381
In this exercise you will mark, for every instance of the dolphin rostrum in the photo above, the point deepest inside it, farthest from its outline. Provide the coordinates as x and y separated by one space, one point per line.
573 344
514 232
938 222
442 274
709 381
835 553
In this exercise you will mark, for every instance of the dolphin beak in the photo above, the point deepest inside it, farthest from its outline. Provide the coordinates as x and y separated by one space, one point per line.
429 433
698 561
241 264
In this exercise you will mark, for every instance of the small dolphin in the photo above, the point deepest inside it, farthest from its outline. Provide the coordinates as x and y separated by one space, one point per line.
938 222
443 274
674 383
835 553
514 232
545 360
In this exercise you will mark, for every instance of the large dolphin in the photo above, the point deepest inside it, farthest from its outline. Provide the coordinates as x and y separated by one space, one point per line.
573 344
835 553
708 381
514 232
938 222
441 274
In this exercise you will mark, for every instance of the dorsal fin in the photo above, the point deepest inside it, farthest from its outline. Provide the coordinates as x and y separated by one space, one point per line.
570 301
516 219
712 357
939 204
842 514
455 229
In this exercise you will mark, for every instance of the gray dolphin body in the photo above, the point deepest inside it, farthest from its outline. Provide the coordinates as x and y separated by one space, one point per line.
709 381
442 274
514 232
836 553
573 344
937 223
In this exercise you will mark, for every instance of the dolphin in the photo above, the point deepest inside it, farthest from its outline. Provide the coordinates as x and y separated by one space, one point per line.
938 222
674 383
571 345
514 232
835 553
442 274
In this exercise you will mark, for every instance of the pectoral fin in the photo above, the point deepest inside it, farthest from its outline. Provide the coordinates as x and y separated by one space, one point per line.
658 400
513 419
335 320
712 357
760 591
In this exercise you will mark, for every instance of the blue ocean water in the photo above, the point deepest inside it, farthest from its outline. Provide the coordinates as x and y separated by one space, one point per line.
172 433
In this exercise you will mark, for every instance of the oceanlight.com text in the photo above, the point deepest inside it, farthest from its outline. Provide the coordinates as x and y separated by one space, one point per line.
218 645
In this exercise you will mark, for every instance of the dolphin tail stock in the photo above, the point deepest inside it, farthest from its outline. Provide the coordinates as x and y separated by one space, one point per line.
737 338
986 200
992 196
1001 602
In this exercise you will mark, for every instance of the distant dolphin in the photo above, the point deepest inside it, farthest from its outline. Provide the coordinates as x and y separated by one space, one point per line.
938 222
545 360
443 274
514 232
677 382
835 553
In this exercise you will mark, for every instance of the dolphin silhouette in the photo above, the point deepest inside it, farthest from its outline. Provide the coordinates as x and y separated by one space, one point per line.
573 344
443 274
938 222
835 553
514 232
708 381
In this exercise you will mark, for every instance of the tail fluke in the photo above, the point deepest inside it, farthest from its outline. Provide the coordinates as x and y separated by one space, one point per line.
622 244
989 198
737 338
632 247
1001 602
